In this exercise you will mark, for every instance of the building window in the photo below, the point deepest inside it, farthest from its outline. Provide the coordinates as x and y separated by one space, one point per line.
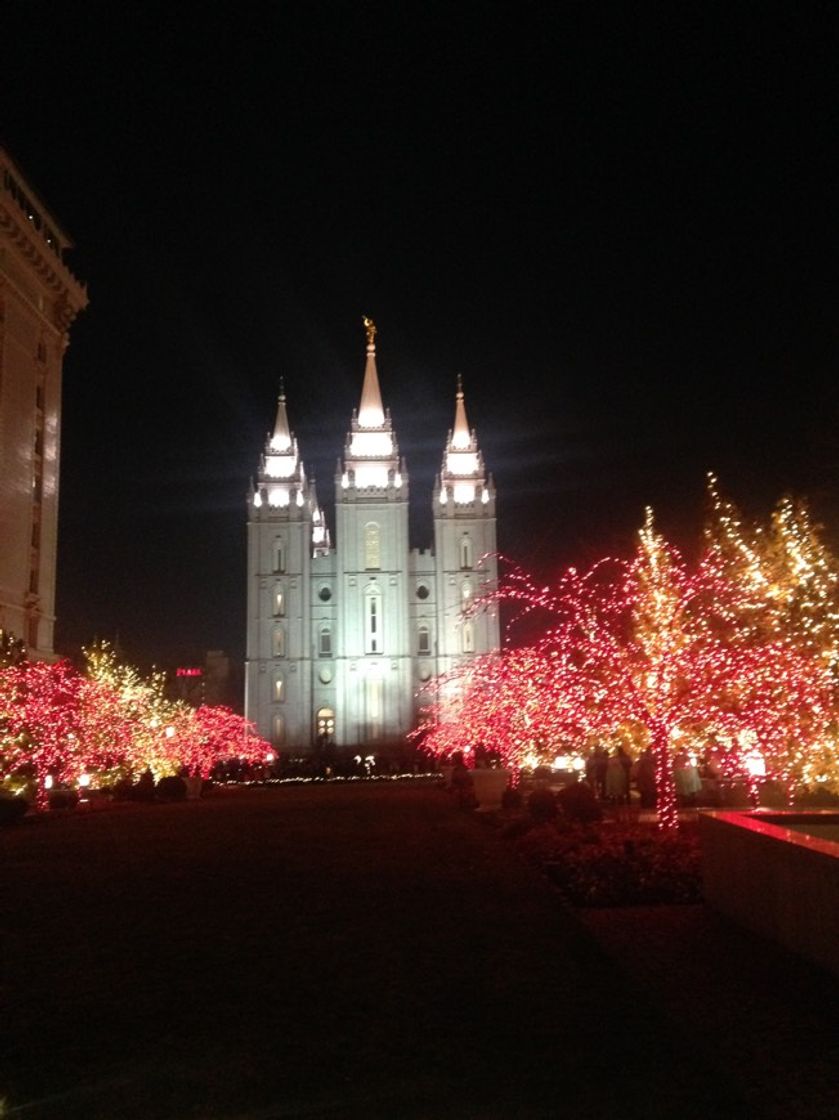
279 555
325 594
422 591
375 707
423 640
325 642
325 723
279 688
279 600
467 636
466 555
466 594
373 620
279 731
279 641
372 547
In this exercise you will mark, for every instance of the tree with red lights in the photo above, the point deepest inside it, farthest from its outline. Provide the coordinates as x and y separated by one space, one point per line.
39 722
648 643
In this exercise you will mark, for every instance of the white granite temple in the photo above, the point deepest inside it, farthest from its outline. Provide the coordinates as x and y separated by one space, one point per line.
342 638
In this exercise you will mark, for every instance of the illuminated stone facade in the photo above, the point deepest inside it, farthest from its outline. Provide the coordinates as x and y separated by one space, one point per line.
342 639
39 298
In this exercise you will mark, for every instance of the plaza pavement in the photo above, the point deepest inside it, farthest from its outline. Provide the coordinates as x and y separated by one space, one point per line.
361 950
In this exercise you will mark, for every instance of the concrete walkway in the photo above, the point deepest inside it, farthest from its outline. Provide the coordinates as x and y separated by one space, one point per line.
319 951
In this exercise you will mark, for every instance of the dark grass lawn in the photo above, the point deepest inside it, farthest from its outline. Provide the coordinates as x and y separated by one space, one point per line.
335 951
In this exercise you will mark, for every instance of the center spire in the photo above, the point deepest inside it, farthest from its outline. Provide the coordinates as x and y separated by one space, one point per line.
371 414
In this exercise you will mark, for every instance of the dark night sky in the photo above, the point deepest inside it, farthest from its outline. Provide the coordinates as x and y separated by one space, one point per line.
617 222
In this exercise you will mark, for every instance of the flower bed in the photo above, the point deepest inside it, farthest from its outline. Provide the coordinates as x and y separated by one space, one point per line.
615 864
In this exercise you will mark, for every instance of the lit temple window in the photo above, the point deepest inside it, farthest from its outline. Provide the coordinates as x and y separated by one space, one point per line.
466 593
278 496
372 546
279 731
371 476
279 688
468 637
373 620
279 600
325 722
279 641
466 556
279 555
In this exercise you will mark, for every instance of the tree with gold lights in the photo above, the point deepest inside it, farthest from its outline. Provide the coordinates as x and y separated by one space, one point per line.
655 645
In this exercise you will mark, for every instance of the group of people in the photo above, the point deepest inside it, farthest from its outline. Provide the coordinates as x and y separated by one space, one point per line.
611 774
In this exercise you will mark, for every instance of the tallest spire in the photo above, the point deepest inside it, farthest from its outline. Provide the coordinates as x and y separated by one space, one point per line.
371 414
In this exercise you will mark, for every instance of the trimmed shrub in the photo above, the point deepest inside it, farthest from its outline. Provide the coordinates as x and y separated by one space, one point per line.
171 789
511 798
63 799
577 803
12 809
541 805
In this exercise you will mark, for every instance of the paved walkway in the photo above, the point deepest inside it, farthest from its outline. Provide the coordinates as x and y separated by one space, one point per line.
328 951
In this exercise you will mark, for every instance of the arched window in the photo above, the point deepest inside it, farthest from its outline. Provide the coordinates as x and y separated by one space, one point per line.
466 553
423 639
279 641
279 731
466 594
279 554
279 688
324 642
372 546
279 600
467 636
325 722
373 636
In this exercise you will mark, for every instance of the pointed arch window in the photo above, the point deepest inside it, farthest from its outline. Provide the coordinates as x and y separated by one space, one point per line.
279 641
279 688
279 554
279 600
372 546
466 594
423 639
279 731
373 636
467 637
467 555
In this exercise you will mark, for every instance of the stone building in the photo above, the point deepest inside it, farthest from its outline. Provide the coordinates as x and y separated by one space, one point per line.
341 639
39 299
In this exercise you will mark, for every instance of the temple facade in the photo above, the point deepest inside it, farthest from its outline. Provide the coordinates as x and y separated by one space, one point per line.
343 636
39 299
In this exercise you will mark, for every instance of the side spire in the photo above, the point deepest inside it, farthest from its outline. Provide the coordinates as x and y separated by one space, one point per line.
371 414
281 439
463 476
461 436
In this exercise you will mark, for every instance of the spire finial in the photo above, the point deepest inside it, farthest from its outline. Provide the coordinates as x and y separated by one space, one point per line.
281 395
370 327
460 385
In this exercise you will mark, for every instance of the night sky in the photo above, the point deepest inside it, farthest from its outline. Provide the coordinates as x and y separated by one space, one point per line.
617 222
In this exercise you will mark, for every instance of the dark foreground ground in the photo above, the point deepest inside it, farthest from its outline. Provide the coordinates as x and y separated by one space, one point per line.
369 951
